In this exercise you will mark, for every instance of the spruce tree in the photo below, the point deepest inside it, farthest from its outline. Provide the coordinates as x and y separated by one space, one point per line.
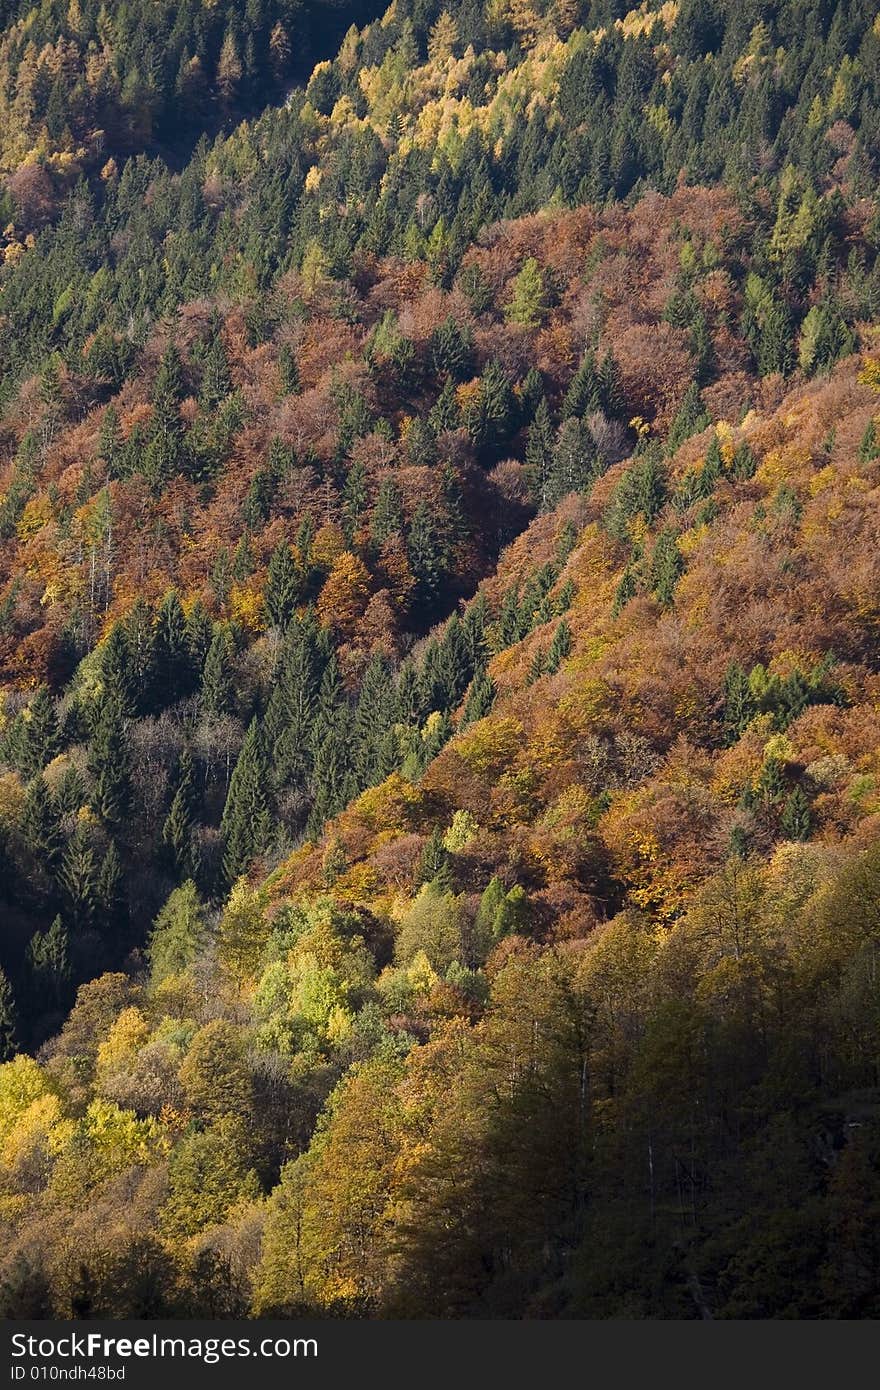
246 824
78 879
218 690
583 394
108 765
173 664
8 1020
49 965
480 698
559 648
282 585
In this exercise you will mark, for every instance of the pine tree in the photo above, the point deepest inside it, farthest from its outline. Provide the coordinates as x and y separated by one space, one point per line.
108 887
173 665
216 380
425 553
387 515
288 371
869 448
78 879
539 453
41 740
108 765
445 413
49 965
584 392
8 1020
559 648
40 824
692 417
739 707
452 350
667 566
480 698
165 451
796 817
218 690
246 825
283 586
434 861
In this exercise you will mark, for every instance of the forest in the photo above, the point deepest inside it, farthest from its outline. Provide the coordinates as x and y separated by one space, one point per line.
440 659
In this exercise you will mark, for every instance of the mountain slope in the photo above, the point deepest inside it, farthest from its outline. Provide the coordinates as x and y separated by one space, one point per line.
438 629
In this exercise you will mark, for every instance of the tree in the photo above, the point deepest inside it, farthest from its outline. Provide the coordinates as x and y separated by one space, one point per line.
246 824
425 552
283 585
108 765
49 965
528 300
869 448
178 933
218 690
559 648
8 1020
796 817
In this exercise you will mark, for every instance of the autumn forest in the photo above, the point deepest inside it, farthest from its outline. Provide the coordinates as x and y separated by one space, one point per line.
440 659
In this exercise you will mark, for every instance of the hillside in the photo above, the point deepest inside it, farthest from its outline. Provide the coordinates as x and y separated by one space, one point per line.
439 812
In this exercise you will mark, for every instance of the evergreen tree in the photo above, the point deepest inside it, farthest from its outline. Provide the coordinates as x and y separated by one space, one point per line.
173 664
796 817
869 448
218 690
40 824
283 585
445 413
41 741
288 371
666 567
49 965
78 879
387 516
108 765
559 648
8 1020
425 553
165 450
539 453
480 698
692 417
246 825
584 392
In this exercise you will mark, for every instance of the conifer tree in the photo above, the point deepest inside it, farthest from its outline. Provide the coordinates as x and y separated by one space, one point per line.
173 665
282 585
108 765
41 732
40 824
49 965
480 699
584 392
666 567
387 515
8 1020
78 879
445 413
796 817
218 690
869 448
246 824
559 648
539 453
288 371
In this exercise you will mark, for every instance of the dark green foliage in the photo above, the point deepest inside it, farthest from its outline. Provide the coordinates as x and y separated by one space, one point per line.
246 823
8 1020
